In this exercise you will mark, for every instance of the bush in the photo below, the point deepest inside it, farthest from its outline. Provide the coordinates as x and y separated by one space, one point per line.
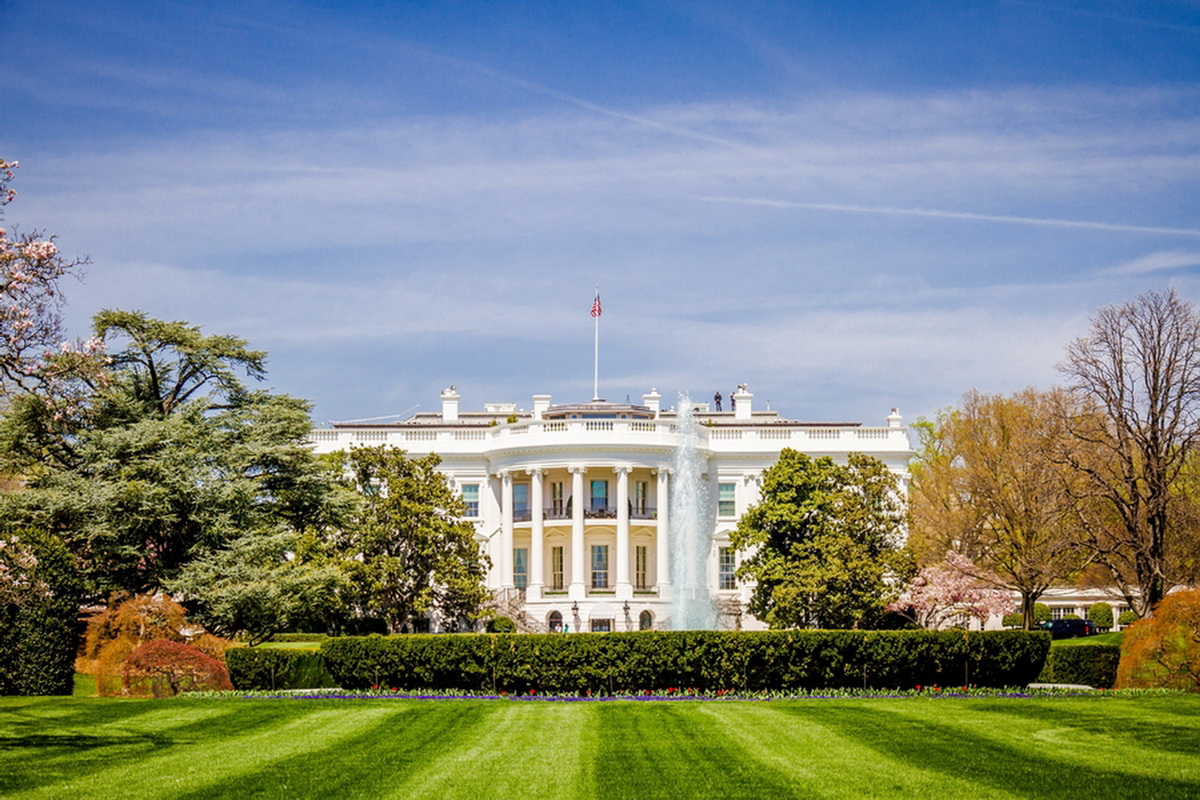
1164 650
299 637
1128 617
39 626
501 625
1041 613
1013 620
162 668
1071 616
1086 664
275 669
703 660
1101 614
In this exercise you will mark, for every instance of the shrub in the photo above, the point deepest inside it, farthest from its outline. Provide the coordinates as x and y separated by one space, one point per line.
276 669
1128 617
501 625
705 660
1163 651
1041 613
38 624
1070 616
1089 665
1101 614
300 637
162 668
1013 620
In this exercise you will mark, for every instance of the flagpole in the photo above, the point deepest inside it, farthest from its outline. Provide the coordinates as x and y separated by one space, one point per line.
596 362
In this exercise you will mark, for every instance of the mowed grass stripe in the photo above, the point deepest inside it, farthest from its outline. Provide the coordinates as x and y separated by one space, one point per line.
516 749
73 739
675 749
368 763
820 759
224 751
1005 757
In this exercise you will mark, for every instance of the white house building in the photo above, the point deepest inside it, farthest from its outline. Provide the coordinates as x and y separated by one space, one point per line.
572 502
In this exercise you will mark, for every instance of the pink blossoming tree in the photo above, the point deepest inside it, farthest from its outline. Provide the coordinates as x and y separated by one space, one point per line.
946 592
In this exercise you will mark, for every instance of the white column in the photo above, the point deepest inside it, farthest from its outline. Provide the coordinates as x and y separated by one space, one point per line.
506 530
624 587
577 589
662 570
537 545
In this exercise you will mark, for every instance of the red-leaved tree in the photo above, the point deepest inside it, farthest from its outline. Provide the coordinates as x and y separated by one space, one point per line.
162 668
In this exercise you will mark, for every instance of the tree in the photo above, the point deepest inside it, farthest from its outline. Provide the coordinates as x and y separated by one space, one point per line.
262 584
162 668
1163 651
30 300
942 594
408 552
1136 376
171 459
987 487
825 543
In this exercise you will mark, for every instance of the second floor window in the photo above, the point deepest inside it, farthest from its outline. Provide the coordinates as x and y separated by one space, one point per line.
599 495
520 501
470 496
726 500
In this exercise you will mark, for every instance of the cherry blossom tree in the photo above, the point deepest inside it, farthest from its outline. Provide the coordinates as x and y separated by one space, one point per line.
940 594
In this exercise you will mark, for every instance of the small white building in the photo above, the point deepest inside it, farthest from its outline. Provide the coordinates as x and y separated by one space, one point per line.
572 502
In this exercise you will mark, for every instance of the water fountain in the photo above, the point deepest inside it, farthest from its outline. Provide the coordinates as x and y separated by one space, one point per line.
691 529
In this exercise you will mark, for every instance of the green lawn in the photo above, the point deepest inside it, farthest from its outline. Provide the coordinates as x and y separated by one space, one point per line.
1089 747
1100 638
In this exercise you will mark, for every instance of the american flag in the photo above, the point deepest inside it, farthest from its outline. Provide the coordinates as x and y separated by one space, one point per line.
596 309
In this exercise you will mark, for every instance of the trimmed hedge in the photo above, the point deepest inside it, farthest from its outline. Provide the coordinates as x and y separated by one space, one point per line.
315 638
702 660
275 669
39 635
1087 664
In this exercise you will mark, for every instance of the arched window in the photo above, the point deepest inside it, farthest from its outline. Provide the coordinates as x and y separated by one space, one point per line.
554 622
645 621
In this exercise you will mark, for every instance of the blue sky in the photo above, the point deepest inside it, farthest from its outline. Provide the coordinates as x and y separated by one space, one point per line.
846 205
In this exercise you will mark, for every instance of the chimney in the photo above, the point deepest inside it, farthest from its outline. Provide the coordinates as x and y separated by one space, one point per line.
450 404
894 418
541 402
652 401
742 403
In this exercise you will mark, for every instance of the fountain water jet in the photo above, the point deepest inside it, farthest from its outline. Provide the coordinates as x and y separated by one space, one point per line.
691 529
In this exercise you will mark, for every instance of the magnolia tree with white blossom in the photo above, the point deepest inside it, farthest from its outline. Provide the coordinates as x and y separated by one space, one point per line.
945 593
17 566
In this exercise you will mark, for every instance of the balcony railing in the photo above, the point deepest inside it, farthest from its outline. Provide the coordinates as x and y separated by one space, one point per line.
563 512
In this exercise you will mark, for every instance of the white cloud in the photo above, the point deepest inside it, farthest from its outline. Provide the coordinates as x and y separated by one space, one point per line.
1162 261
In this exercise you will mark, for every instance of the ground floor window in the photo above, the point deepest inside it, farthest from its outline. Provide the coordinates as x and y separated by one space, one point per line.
554 622
726 565
599 566
645 621
556 568
602 625
521 567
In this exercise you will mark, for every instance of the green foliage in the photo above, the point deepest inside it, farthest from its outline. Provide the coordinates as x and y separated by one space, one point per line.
1041 613
38 628
259 585
408 553
171 460
1070 616
1013 620
315 638
823 541
1127 617
1101 614
1087 665
703 660
274 670
501 625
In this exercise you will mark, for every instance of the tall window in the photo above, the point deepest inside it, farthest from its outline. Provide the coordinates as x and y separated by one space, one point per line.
470 495
520 501
556 568
599 495
554 622
645 621
599 566
726 564
639 557
557 508
520 567
726 501
639 497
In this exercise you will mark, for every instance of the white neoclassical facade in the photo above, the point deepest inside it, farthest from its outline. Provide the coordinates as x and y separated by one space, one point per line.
572 502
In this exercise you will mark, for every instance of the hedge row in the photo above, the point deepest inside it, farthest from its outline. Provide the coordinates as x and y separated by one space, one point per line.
1086 664
703 660
276 669
300 637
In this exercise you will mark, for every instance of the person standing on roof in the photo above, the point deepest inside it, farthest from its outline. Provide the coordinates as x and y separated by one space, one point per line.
717 400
